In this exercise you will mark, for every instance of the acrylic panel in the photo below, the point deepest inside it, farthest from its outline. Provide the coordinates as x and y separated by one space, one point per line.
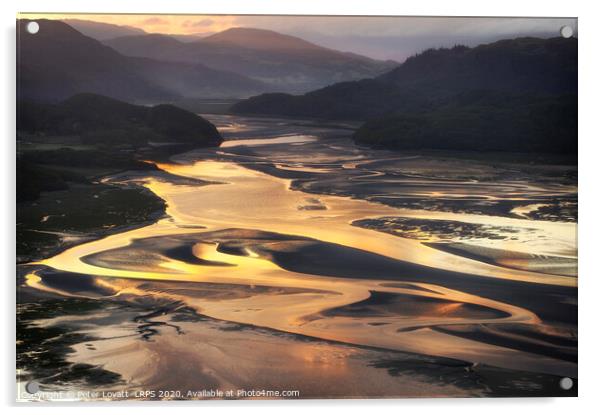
295 207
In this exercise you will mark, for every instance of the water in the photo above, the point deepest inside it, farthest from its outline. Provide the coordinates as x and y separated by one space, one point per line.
269 237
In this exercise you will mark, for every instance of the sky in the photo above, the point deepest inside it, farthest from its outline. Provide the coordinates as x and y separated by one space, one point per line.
377 37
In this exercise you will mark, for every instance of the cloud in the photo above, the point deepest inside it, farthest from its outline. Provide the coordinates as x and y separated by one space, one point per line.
198 23
154 21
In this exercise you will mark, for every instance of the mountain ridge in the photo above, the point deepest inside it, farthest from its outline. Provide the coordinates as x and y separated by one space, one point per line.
102 31
250 37
285 62
59 61
516 95
430 78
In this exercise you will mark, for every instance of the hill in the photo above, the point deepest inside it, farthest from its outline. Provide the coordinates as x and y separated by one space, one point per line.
102 31
512 95
481 121
59 61
262 39
521 65
101 120
89 135
286 63
524 65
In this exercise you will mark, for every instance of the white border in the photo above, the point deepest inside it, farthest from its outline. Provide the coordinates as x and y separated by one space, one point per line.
590 155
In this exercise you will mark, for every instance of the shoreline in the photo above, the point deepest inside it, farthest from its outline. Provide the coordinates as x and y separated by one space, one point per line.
390 367
186 255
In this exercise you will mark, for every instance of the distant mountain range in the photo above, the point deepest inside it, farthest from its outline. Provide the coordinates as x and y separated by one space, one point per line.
67 57
105 31
517 94
286 63
59 61
512 94
102 31
523 65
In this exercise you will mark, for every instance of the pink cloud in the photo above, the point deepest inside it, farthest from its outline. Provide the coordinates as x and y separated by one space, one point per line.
155 21
198 23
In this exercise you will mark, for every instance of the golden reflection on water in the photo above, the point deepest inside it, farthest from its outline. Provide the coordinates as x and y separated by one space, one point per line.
250 199
254 200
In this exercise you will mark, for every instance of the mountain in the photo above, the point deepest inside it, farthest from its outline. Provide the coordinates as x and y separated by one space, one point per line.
110 136
356 100
102 31
188 80
59 61
189 38
287 63
105 31
523 65
481 121
512 95
98 119
261 39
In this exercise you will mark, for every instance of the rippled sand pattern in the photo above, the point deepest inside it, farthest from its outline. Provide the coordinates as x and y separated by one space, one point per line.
270 261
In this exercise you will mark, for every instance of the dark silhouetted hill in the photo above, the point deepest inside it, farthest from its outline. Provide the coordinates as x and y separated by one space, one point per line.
102 120
521 65
511 95
94 134
59 61
481 121
524 65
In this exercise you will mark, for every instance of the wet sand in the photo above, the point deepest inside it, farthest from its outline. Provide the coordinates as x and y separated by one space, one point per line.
268 241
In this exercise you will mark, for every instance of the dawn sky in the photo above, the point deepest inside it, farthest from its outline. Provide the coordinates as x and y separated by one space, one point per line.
378 37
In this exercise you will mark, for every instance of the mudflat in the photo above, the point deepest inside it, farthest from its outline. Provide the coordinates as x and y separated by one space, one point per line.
303 262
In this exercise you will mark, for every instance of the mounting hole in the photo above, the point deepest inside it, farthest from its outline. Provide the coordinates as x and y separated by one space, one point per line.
566 32
566 383
33 27
32 387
